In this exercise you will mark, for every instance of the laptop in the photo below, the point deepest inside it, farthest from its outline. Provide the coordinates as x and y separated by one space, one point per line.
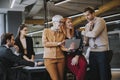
75 42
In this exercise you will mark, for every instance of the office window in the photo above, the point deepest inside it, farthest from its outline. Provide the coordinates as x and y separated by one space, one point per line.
114 44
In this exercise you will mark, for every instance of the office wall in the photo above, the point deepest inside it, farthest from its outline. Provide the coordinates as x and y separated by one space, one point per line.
14 19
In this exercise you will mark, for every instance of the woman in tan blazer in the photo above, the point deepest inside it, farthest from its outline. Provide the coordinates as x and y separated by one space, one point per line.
53 39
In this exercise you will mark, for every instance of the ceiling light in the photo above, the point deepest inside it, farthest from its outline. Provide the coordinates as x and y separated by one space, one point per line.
34 32
62 2
111 16
79 14
75 15
111 22
48 22
12 4
95 11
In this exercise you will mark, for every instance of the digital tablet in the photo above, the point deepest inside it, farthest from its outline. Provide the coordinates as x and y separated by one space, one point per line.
75 42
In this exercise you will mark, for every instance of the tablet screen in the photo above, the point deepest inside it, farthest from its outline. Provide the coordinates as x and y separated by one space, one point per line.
74 42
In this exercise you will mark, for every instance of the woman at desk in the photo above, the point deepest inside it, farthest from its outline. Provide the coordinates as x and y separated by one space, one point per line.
75 61
25 43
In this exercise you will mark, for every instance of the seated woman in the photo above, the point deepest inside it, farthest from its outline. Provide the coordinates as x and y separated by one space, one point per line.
75 61
25 43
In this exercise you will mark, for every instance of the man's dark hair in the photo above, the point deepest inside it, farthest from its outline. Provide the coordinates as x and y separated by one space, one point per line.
91 10
5 37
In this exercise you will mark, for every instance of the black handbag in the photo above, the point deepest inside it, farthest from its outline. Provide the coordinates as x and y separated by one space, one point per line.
109 55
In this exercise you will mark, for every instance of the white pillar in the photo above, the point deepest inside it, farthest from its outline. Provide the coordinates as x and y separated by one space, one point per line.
1 24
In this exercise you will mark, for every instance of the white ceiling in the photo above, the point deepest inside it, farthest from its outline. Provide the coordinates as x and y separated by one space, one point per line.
35 8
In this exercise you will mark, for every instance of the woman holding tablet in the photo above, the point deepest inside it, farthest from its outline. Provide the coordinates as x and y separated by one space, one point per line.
75 61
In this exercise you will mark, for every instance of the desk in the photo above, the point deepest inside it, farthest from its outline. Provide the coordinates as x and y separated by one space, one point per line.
29 70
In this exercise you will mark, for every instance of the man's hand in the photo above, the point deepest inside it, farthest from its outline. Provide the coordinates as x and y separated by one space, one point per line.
91 25
40 63
16 48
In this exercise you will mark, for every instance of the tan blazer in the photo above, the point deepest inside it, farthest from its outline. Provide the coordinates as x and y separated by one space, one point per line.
50 41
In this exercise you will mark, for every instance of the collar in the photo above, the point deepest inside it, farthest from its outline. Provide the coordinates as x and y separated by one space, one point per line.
56 30
6 46
94 18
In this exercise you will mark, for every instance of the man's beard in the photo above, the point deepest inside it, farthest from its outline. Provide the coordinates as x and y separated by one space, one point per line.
91 19
10 45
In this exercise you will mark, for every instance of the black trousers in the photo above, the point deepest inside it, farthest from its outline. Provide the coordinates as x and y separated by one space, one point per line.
99 66
16 74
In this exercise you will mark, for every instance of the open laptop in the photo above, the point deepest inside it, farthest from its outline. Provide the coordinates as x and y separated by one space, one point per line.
75 42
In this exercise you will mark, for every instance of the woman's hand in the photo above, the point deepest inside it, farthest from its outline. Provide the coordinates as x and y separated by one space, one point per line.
26 58
61 43
72 46
75 60
32 60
